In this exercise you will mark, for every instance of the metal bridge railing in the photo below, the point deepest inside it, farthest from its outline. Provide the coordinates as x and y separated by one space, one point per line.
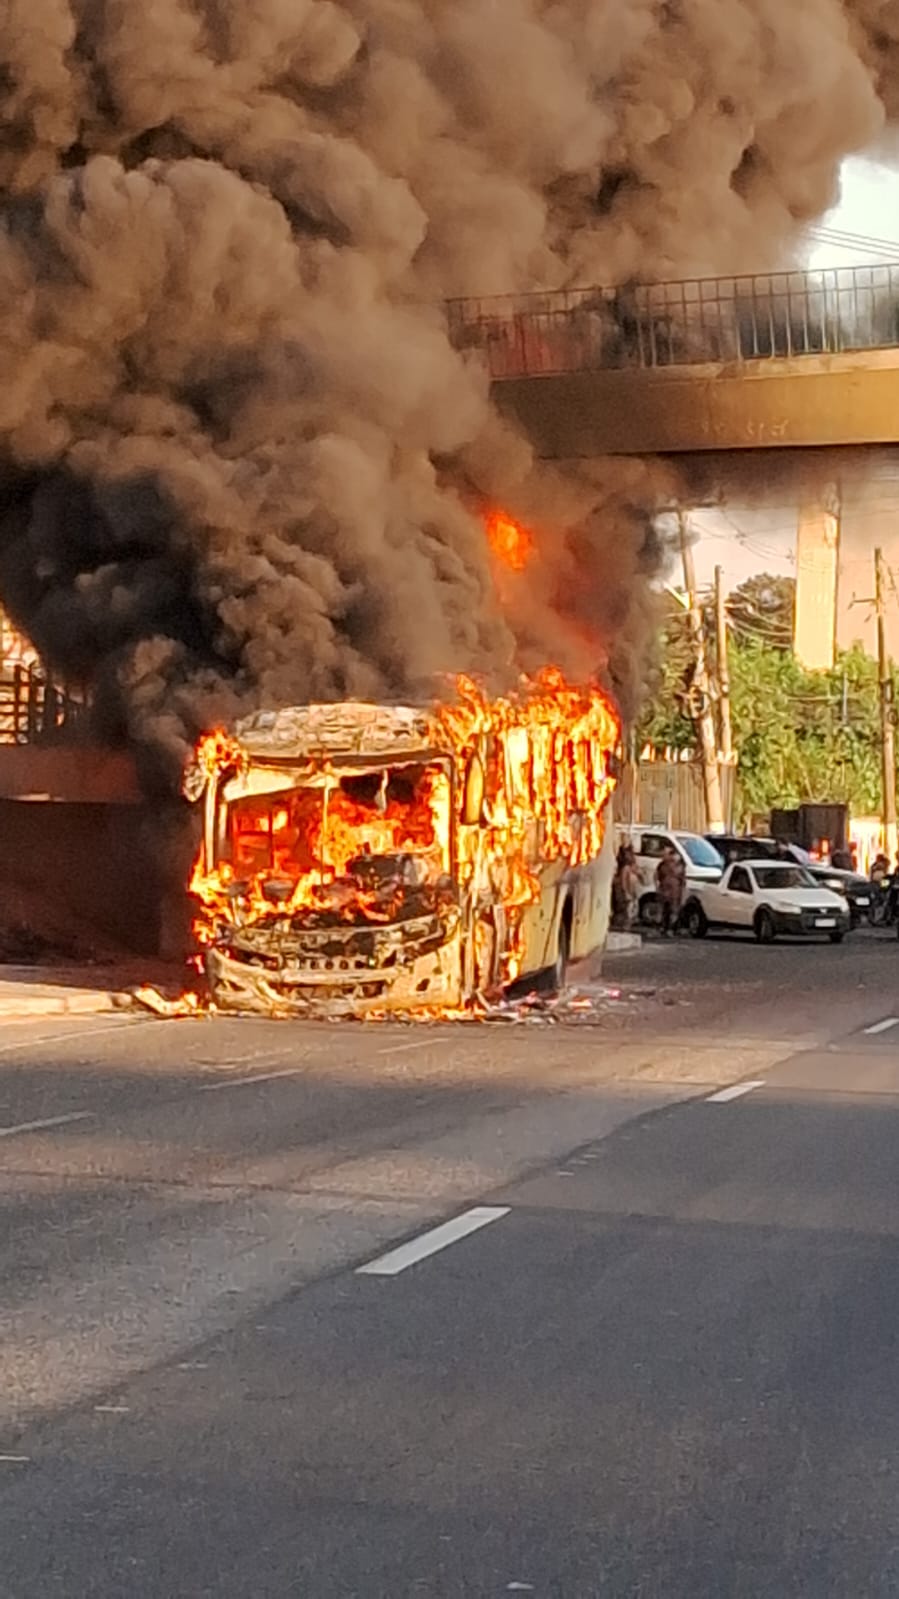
751 318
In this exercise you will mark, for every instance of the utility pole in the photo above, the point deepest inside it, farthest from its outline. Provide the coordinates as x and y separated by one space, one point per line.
887 713
703 719
727 739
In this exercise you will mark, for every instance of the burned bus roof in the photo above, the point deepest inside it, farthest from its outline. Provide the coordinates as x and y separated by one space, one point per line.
348 728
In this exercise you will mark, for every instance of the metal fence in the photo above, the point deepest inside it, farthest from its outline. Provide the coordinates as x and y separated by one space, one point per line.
738 319
669 793
34 710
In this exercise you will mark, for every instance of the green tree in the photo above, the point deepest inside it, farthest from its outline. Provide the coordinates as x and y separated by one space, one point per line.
765 684
762 608
664 722
803 735
798 735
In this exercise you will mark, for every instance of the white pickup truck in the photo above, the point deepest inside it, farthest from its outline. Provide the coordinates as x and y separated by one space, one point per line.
767 898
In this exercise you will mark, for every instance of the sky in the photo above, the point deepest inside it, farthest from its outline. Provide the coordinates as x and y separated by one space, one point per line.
868 210
862 229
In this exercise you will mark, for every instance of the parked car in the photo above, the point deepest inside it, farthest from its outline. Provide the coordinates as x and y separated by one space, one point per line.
743 847
855 889
767 898
702 861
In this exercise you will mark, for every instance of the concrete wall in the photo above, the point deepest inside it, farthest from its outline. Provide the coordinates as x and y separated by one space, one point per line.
807 401
122 868
72 773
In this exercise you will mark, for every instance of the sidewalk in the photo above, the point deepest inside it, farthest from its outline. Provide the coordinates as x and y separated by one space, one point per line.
623 944
72 990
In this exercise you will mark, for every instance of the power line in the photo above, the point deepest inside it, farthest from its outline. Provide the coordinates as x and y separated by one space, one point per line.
856 238
886 251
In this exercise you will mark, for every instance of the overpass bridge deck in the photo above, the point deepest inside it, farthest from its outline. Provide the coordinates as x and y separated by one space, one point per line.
791 359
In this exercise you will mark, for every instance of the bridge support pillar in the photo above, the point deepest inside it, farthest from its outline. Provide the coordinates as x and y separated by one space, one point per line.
817 566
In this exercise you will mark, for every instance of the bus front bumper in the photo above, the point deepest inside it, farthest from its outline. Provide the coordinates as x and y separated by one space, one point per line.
341 987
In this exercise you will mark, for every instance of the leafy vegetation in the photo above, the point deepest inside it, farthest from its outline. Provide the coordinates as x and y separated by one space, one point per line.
798 735
762 608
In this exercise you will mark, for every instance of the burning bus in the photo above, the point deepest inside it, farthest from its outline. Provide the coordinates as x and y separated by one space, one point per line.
359 859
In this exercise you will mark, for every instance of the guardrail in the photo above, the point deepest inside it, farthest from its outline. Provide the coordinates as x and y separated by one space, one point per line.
651 325
32 708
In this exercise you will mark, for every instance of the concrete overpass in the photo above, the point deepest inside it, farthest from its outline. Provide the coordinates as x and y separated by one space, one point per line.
783 361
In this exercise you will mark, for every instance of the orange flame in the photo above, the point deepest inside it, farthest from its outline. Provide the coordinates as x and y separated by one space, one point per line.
316 853
356 846
511 543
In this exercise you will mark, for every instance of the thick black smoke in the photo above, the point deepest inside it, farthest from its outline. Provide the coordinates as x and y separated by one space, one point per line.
240 459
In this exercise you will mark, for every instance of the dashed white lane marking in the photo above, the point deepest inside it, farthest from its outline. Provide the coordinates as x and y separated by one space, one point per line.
725 1095
113 1410
46 1122
256 1058
244 1082
403 1049
14 1460
884 1026
430 1243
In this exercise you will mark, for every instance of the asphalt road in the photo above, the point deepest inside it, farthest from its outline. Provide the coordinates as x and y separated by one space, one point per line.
659 1360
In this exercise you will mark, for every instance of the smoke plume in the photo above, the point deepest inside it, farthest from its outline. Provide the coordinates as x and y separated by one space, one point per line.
240 460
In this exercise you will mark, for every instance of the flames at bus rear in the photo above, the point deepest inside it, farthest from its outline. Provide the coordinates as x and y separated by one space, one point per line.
382 876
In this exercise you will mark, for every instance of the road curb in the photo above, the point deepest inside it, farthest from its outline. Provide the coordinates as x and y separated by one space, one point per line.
623 944
101 1003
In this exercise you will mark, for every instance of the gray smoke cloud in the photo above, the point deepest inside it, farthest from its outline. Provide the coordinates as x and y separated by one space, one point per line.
240 460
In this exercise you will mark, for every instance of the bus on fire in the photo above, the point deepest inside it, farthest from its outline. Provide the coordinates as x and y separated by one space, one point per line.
362 859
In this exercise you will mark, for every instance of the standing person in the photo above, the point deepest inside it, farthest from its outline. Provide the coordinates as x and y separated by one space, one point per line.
631 883
880 882
671 881
892 886
880 871
626 888
619 892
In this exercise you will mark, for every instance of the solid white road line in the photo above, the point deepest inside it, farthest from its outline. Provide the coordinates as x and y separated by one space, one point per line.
884 1026
48 1121
66 1038
430 1243
725 1095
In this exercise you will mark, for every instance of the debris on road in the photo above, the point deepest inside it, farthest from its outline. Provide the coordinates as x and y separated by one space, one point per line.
577 1007
186 1004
